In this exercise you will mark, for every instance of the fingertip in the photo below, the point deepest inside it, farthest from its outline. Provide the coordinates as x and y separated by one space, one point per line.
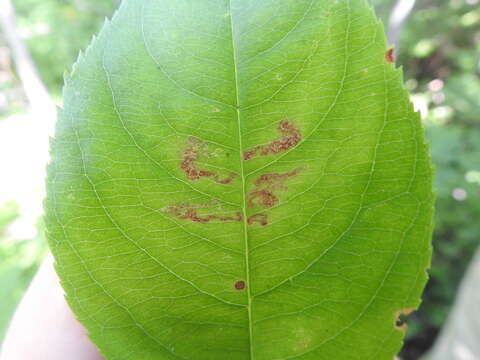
44 327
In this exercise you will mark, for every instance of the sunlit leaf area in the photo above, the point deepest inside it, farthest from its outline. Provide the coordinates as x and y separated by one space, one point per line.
437 43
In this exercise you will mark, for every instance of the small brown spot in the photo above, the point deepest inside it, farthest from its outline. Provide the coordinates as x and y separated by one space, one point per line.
240 285
291 137
258 218
390 56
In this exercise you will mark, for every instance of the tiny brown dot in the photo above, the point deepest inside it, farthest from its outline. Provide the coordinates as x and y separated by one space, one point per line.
240 285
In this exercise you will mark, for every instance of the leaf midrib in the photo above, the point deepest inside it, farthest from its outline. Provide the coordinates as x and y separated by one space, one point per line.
242 176
242 172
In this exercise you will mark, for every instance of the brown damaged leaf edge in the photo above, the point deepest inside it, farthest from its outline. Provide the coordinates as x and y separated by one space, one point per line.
400 324
390 55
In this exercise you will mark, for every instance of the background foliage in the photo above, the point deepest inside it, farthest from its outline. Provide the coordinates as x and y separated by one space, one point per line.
440 54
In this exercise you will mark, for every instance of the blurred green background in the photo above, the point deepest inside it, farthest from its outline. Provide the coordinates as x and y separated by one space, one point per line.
439 49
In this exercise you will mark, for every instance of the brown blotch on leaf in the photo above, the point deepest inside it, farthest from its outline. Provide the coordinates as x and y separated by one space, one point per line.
291 137
190 155
262 219
190 212
240 285
400 321
390 55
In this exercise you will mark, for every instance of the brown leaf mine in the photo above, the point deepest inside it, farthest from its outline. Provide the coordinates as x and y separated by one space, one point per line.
190 156
290 138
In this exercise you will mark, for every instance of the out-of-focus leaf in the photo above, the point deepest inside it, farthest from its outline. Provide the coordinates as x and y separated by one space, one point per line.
459 337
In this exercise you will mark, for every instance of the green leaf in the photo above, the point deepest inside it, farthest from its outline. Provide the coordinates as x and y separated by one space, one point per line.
240 180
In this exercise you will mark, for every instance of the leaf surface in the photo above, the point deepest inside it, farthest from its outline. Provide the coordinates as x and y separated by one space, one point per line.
239 180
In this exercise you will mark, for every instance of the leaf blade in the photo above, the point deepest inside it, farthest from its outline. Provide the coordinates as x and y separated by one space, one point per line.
236 172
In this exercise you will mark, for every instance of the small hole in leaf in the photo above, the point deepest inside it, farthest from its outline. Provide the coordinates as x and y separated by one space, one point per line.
240 285
402 320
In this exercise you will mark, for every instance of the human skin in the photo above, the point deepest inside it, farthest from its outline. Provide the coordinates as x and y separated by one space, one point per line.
44 327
